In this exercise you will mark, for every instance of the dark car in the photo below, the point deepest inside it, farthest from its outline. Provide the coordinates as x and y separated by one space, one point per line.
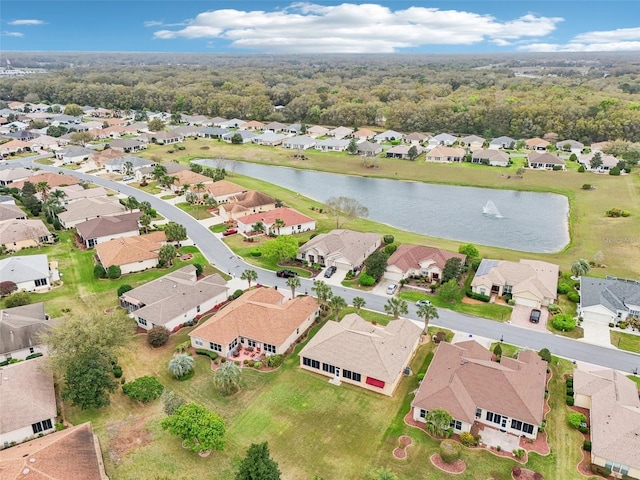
534 317
286 273
229 231
330 271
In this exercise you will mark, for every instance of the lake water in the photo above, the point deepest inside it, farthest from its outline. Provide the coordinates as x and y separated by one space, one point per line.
525 221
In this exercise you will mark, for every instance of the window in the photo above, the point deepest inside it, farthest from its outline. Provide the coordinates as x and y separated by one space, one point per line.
299 227
423 413
356 377
251 343
302 255
311 363
494 417
456 424
269 348
142 321
507 289
215 347
41 282
328 368
527 428
298 331
233 344
198 309
516 424
32 350
478 413
42 426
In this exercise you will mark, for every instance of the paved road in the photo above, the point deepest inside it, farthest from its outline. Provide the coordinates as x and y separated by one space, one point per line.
219 255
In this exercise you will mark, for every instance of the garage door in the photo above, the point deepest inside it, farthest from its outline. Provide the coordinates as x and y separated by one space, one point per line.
393 276
527 302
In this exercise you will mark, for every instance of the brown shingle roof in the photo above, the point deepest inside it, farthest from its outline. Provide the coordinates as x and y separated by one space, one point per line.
102 226
53 179
187 177
71 454
126 250
288 215
260 315
411 256
224 187
462 377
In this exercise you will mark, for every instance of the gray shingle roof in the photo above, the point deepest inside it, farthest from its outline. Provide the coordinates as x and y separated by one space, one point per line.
20 327
24 268
612 293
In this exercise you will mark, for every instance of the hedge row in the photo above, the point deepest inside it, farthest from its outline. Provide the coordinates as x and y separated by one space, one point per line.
478 296
207 353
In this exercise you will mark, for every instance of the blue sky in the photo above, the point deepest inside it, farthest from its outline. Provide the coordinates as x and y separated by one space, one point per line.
274 26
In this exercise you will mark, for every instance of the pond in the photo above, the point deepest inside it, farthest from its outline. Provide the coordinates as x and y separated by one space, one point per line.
525 221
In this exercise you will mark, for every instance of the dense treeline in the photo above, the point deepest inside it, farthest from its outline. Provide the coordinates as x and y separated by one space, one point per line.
589 99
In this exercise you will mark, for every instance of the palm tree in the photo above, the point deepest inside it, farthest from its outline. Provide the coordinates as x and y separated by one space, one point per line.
43 188
278 224
396 306
358 303
385 474
228 378
580 267
185 188
145 222
166 254
58 195
145 206
128 167
199 186
181 365
427 312
337 304
250 276
323 291
159 172
131 203
293 283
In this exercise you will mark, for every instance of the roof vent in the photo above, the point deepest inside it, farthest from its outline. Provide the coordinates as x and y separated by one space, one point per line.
26 471
32 460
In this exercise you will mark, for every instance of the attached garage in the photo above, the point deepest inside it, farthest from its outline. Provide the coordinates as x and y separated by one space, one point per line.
598 314
393 276
526 301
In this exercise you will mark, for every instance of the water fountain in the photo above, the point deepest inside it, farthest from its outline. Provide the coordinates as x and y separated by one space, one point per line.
491 210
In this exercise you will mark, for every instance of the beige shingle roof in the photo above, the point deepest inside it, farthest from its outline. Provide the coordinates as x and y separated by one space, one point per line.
260 315
91 208
187 177
224 187
288 215
462 377
357 345
19 230
53 179
411 256
351 245
126 250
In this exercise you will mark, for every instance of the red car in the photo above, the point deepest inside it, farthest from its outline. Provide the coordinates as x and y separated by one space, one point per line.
229 231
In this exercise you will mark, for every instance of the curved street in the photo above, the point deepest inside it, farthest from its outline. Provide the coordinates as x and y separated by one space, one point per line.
219 255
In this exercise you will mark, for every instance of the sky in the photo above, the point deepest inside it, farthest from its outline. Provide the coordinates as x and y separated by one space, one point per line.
276 26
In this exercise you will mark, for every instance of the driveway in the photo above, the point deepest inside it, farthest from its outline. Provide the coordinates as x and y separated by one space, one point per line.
520 317
381 287
596 333
335 279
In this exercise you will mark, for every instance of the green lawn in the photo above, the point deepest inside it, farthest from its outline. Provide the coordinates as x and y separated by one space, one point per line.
151 187
508 350
491 311
576 333
625 341
199 212
636 379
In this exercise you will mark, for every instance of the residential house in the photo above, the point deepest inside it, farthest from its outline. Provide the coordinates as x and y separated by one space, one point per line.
29 272
363 134
27 402
187 131
54 180
274 127
24 135
233 123
414 138
246 203
614 419
332 145
132 254
174 299
129 145
252 125
213 132
532 283
198 120
14 147
18 234
7 200
128 164
10 211
301 142
388 136
217 121
171 168
472 142
88 208
463 380
403 151
294 221
442 139
570 146
369 149
164 137
188 179
608 162
344 249
222 190
599 146
111 122
545 161
259 319
502 143
103 229
73 193
245 135
536 144
495 158
114 132
608 300
418 260
12 175
317 131
293 129
44 142
269 139
340 132
445 154
99 158
20 328
357 352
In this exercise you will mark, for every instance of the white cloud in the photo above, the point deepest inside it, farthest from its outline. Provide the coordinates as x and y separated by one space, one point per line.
355 28
160 23
622 39
12 34
27 22
153 23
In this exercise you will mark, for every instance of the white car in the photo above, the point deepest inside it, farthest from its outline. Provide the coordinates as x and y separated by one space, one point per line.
391 289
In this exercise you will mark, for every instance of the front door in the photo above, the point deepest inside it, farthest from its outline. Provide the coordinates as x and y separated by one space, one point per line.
503 425
337 372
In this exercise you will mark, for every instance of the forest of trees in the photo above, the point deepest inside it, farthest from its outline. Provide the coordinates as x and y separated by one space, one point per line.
587 98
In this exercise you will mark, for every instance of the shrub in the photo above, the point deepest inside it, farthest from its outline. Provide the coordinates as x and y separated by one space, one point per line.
207 353
553 308
478 296
449 451
114 272
545 355
581 169
257 365
171 402
467 439
475 263
17 299
143 389
349 275
563 322
586 446
563 288
615 171
511 302
570 401
497 350
122 289
586 186
420 377
388 239
516 471
199 269
256 253
575 419
583 429
274 360
117 371
7 288
99 271
518 452
366 280
611 325
33 355
237 294
616 212
157 336
569 391
573 296
389 249
557 167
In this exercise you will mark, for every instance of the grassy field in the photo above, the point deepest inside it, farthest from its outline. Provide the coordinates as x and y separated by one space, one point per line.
491 311
199 212
591 231
625 341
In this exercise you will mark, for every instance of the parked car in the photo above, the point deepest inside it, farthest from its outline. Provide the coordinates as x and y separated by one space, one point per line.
422 302
391 289
286 273
534 317
127 178
330 271
229 231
